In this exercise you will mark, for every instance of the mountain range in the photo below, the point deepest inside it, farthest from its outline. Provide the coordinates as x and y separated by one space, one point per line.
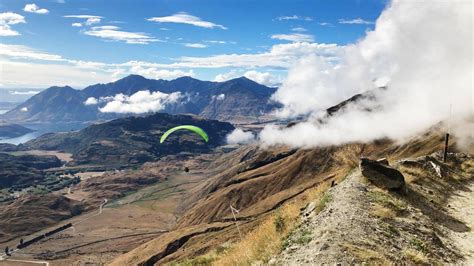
235 100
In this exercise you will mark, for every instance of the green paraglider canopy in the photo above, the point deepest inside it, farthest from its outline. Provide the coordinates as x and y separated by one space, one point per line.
194 129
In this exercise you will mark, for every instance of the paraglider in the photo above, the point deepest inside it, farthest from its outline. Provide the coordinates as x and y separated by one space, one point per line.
194 129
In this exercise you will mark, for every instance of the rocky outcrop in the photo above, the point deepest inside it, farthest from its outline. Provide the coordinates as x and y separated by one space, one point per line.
382 175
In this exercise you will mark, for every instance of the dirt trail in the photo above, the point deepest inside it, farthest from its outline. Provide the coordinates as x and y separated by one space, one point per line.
462 207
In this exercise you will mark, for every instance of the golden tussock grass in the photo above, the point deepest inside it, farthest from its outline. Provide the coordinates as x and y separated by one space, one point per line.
383 212
349 155
268 238
415 256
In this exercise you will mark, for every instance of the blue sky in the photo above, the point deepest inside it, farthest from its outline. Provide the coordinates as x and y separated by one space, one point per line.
84 42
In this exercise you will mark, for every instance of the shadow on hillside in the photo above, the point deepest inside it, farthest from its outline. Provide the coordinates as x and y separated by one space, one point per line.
436 213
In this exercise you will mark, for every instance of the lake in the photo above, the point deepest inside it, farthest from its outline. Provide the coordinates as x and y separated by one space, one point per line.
43 129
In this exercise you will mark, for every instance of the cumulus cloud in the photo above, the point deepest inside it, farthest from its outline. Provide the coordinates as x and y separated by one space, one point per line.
264 78
91 101
139 102
195 45
238 136
185 18
6 20
355 21
293 37
33 8
113 33
422 50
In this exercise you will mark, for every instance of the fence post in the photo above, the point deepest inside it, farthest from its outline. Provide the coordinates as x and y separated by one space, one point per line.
446 140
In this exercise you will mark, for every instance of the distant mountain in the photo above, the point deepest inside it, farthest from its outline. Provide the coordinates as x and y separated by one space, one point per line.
133 140
233 100
13 130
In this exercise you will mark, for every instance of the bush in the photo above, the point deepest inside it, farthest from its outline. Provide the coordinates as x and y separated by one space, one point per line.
279 222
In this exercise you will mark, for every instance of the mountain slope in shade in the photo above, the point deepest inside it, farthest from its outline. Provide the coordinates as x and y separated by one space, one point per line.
237 99
133 140
13 130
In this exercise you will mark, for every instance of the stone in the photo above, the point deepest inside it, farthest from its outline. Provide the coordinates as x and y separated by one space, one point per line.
383 161
381 175
309 208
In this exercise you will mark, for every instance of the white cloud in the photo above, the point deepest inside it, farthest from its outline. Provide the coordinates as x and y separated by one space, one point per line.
325 24
36 75
91 101
195 45
264 78
88 19
24 109
216 42
227 76
155 73
299 29
114 33
279 56
24 92
294 37
294 17
20 51
355 21
33 8
185 18
219 97
424 51
6 20
140 102
238 136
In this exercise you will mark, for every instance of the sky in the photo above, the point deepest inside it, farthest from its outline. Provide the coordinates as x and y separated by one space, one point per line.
80 43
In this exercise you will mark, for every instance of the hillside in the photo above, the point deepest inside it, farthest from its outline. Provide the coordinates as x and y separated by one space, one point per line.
13 130
235 100
133 140
267 186
24 170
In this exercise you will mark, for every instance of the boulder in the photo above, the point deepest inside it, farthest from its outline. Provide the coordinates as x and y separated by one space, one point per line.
383 161
381 174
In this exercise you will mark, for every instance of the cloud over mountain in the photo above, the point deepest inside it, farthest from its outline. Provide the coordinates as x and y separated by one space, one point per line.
421 51
137 103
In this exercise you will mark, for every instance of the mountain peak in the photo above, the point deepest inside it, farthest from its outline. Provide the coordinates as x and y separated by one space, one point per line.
189 78
132 77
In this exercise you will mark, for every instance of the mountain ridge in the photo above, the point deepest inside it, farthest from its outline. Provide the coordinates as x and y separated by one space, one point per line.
239 99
